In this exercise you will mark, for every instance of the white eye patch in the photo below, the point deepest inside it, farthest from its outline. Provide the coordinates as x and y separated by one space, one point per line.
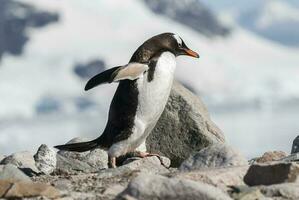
178 39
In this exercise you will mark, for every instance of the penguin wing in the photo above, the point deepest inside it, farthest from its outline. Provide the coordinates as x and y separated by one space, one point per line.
130 71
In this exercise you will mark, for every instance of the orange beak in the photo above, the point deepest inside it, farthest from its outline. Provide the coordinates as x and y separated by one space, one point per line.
191 53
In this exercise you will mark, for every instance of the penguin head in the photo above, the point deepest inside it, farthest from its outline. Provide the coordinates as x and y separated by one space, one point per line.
173 43
160 43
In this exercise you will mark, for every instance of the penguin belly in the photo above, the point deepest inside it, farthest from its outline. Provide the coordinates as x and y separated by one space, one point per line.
152 98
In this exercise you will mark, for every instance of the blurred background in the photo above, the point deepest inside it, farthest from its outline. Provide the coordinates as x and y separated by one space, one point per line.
248 73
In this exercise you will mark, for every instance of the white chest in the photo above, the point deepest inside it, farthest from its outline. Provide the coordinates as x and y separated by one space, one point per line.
153 95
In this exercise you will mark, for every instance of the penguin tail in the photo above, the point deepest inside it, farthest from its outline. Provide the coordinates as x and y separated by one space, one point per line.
79 147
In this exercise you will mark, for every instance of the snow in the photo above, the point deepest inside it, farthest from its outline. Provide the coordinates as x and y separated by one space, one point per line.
275 12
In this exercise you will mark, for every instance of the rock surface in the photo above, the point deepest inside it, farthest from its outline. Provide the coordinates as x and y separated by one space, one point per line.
268 174
295 146
185 127
214 156
284 191
271 156
147 186
221 177
149 164
106 183
45 159
281 191
11 172
13 190
89 161
23 160
247 193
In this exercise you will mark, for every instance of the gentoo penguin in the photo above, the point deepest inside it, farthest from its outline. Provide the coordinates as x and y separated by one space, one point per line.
141 96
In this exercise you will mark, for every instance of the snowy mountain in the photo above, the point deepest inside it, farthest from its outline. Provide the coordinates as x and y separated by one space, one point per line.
15 18
191 13
42 93
275 20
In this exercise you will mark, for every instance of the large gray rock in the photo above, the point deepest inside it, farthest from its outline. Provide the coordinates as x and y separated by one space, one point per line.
214 156
185 127
45 159
11 172
89 161
149 186
275 173
23 160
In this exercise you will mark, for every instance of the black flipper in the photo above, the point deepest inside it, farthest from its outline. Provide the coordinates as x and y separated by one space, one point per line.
130 71
104 77
79 147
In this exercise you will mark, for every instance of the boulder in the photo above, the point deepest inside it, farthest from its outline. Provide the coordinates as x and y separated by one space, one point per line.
295 146
23 160
274 173
45 159
11 172
221 178
215 156
271 156
16 190
149 186
89 161
185 127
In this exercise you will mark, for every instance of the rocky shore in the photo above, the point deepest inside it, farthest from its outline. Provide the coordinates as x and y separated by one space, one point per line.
196 163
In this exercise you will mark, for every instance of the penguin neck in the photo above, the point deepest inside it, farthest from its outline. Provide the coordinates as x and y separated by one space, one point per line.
165 61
